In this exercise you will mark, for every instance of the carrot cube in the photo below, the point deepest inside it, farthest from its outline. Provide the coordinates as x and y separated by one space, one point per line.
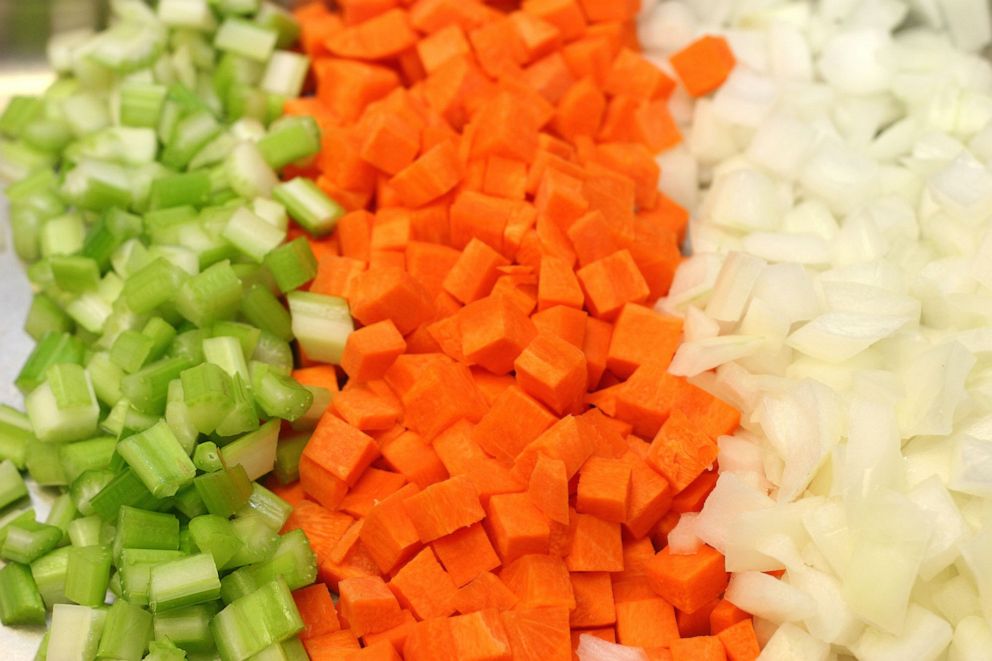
391 293
365 409
382 36
412 457
424 587
494 333
566 15
560 197
688 582
633 75
317 610
565 322
697 622
591 238
595 545
410 368
429 264
367 604
680 452
725 615
388 533
552 371
474 273
340 448
442 397
322 527
709 414
442 46
539 580
640 335
595 346
646 623
647 397
650 497
558 285
369 351
548 488
374 485
505 177
444 507
396 635
332 646
380 651
593 600
740 642
430 640
390 143
703 65
336 276
700 648
466 553
580 110
434 173
611 282
480 636
570 439
604 489
539 634
516 526
346 87
321 484
486 591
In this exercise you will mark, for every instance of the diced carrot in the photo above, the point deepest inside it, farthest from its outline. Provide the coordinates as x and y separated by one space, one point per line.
322 527
379 37
604 489
739 641
711 415
390 143
442 397
591 55
646 623
595 544
566 15
680 452
321 376
591 238
491 385
611 282
345 87
550 77
444 507
347 544
432 15
560 197
390 293
383 259
370 351
538 634
380 651
429 263
639 335
593 600
636 162
569 439
505 177
494 333
429 177
725 615
374 485
650 497
474 273
595 346
368 605
557 285
340 449
388 533
697 622
548 488
580 110
498 47
292 493
407 369
516 526
514 420
539 580
438 48
633 75
480 636
552 371
466 554
562 321
424 587
700 648
364 409
647 397
486 591
430 640
690 581
332 646
396 635
321 484
336 276
691 498
410 455
317 610
354 232
703 65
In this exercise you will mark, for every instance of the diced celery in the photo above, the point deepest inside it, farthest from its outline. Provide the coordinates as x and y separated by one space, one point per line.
188 188
125 488
153 285
82 456
246 39
142 529
106 377
279 395
252 623
156 456
251 235
64 407
261 308
188 137
184 582
54 348
141 104
224 492
243 416
75 632
86 531
267 505
258 540
88 575
49 574
20 601
14 443
188 628
292 265
228 353
277 18
308 205
211 296
126 632
207 395
188 502
290 139
88 487
285 73
148 388
45 316
12 486
321 324
248 173
288 454
274 352
217 536
28 540
178 419
61 515
321 400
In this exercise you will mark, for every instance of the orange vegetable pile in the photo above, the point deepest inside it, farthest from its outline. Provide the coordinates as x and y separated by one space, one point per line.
508 454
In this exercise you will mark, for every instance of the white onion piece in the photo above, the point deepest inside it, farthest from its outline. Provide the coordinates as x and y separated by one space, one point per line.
925 636
730 498
853 61
682 539
592 648
790 643
838 336
766 596
972 640
968 22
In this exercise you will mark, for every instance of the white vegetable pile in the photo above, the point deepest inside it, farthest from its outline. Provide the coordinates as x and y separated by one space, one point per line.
840 294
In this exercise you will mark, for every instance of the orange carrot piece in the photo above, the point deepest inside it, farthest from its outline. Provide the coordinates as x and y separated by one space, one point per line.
440 47
442 397
424 587
591 55
390 143
390 293
379 37
317 610
491 385
569 439
432 15
633 75
340 449
703 65
336 276
367 604
548 488
474 273
475 215
480 636
680 452
457 450
557 285
321 484
647 397
498 47
565 322
538 634
580 110
322 527
594 605
725 615
690 581
396 635
345 87
380 651
332 646
486 591
433 174
639 335
516 526
553 371
595 346
321 376
595 544
374 485
537 36
636 162
429 264
430 640
444 507
711 415
604 489
566 15
466 554
539 580
388 534
560 198
649 500
366 410
591 238
494 333
505 177
505 128
550 77
357 11
646 623
700 648
739 641
697 622
611 282
370 351
411 456
354 233
514 420
407 369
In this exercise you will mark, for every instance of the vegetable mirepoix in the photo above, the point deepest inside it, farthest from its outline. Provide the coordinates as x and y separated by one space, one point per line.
143 199
482 487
